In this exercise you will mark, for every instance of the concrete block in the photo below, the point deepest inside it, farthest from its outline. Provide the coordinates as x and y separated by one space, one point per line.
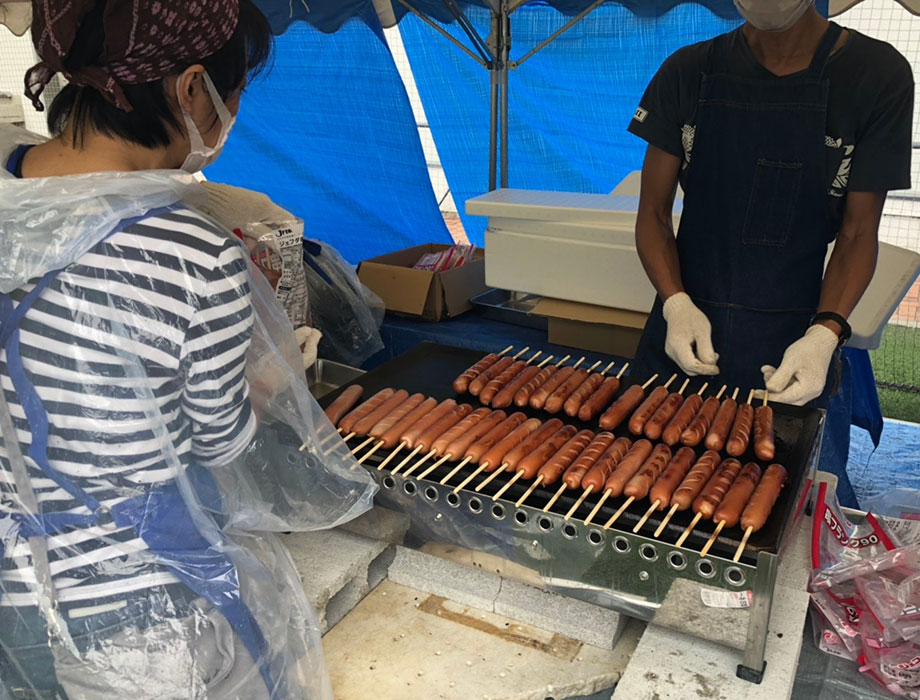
440 577
573 618
380 524
330 562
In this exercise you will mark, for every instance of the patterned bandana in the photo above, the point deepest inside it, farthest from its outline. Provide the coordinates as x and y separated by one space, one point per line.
145 40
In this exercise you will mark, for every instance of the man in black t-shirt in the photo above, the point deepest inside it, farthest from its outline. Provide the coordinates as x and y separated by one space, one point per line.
785 134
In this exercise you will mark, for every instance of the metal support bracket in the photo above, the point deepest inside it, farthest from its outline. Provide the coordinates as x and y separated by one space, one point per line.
753 667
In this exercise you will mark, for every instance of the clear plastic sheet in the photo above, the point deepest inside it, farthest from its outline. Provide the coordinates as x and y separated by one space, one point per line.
152 572
348 313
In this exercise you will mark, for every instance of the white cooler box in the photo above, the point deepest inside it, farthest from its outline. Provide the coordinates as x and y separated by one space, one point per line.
581 247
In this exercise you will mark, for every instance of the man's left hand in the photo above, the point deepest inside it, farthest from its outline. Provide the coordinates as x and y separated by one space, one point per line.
803 372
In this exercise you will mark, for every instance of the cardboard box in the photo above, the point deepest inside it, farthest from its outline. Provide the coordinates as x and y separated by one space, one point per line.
428 295
595 328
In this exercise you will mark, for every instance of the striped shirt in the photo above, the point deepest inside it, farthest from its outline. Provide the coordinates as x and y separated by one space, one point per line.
166 299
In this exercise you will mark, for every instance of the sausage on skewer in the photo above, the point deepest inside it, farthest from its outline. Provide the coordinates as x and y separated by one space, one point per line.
599 400
722 424
684 416
624 406
740 436
648 407
663 415
462 383
522 397
343 403
764 442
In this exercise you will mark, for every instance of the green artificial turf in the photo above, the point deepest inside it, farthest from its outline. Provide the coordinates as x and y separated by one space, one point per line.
897 361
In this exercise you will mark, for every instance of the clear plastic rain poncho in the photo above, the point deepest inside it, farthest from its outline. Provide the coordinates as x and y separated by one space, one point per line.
148 570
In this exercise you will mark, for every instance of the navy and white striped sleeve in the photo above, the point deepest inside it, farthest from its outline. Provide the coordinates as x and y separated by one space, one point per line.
216 393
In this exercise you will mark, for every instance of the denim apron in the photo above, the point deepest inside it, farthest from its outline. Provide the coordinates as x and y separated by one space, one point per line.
755 227
160 517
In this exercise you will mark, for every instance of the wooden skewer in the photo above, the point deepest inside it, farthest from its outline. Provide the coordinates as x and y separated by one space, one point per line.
670 381
367 455
434 466
750 396
735 394
702 389
581 499
506 350
545 362
683 386
392 456
649 382
722 391
712 540
744 541
476 472
622 371
597 507
766 396
615 516
667 519
418 448
521 353
535 356
648 514
577 364
608 368
453 472
563 361
529 491
683 537
488 480
348 437
364 444
594 366
418 464
562 487
511 481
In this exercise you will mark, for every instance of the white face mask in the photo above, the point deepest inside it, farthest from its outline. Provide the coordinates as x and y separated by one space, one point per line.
201 156
773 15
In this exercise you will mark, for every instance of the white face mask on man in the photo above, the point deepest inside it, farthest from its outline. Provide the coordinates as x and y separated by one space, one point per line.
201 156
773 15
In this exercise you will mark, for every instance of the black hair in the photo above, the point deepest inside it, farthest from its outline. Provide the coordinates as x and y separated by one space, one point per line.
245 55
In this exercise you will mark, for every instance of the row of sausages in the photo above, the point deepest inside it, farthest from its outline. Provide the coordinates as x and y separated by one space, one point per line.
553 452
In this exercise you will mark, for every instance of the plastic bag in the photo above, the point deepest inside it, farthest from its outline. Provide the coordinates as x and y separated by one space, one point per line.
348 313
896 667
900 511
447 259
830 640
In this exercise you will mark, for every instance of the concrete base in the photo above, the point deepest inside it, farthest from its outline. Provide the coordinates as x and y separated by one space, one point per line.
403 644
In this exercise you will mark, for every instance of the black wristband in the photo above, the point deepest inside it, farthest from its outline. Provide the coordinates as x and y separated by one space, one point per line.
846 331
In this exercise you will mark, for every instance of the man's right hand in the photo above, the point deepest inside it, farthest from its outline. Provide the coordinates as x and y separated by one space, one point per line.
689 340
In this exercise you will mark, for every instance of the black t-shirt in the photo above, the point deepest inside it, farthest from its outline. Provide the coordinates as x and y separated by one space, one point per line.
869 112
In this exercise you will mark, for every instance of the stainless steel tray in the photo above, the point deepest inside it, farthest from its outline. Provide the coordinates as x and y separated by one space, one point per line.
326 376
510 307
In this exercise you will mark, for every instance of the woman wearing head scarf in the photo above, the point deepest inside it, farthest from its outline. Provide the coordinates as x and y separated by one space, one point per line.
132 456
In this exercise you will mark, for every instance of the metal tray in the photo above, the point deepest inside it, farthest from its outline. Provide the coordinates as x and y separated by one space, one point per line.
510 307
326 376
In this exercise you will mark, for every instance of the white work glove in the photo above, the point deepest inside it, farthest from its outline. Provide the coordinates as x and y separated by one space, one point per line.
308 338
803 372
689 340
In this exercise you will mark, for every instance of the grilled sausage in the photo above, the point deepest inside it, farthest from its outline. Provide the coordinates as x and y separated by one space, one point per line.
495 456
413 433
478 449
534 461
741 431
462 383
522 397
721 425
607 464
647 409
622 407
732 505
363 426
581 393
540 396
460 430
575 474
660 419
694 482
764 498
641 482
533 441
501 381
557 399
366 408
628 466
466 437
344 403
682 419
442 425
598 401
716 488
557 465
764 443
396 415
698 428
672 477
394 435
489 373
504 397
